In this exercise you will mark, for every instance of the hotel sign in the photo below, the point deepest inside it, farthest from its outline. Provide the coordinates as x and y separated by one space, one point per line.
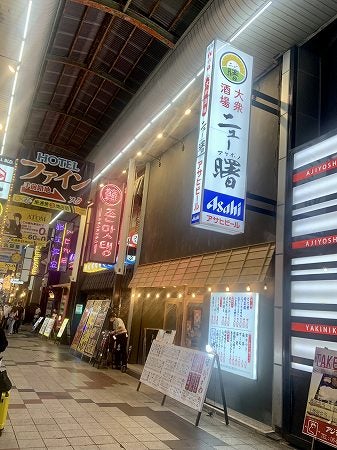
221 165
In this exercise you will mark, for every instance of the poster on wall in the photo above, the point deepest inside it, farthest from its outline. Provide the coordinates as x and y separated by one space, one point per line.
88 327
6 174
233 331
82 324
320 420
107 219
48 180
97 327
26 226
178 372
220 172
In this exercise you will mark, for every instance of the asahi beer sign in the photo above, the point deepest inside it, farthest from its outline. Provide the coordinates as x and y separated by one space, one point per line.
47 180
220 172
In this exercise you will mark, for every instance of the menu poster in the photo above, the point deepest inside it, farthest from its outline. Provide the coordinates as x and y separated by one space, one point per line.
49 327
233 331
97 327
320 421
88 327
82 324
43 326
178 372
37 323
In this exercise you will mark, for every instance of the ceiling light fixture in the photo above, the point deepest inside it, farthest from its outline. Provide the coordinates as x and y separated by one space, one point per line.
188 112
246 25
124 171
161 112
11 68
159 135
101 185
143 130
139 153
16 71
184 89
56 217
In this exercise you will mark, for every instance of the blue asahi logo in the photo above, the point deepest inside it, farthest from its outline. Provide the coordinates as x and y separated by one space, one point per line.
223 205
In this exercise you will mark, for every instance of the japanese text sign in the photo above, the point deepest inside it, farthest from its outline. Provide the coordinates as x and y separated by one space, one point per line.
109 203
6 175
60 249
220 172
26 226
51 181
319 421
233 331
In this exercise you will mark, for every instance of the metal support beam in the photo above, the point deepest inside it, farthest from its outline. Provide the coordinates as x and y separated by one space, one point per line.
137 20
64 149
99 73
50 109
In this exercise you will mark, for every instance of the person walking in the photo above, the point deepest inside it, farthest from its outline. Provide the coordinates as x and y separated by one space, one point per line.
12 319
119 330
7 310
19 319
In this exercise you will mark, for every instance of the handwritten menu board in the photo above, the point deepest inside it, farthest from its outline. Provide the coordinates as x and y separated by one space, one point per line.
43 326
233 331
49 327
178 372
95 329
82 324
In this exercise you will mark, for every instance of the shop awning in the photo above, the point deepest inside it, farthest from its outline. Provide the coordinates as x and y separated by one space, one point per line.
241 265
103 281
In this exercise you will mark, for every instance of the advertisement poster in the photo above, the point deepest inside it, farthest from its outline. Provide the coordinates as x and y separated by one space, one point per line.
82 324
43 326
89 326
6 174
105 231
178 372
97 328
48 180
233 331
220 173
320 420
9 255
26 226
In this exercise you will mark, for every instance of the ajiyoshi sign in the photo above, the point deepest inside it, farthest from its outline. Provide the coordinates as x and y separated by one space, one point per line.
220 171
105 234
50 181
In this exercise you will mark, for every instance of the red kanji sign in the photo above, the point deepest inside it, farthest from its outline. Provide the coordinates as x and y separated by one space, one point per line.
106 223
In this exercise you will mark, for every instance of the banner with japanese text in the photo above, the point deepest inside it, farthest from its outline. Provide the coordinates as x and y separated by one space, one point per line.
320 420
47 180
26 226
220 172
106 223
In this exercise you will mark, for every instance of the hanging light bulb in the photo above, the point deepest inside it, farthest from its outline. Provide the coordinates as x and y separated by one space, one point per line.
227 288
157 295
148 295
265 286
248 288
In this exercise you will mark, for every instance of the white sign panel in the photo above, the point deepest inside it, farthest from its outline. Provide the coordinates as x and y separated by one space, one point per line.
178 372
233 331
220 173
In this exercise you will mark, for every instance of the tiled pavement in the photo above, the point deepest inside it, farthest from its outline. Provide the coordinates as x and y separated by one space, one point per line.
59 401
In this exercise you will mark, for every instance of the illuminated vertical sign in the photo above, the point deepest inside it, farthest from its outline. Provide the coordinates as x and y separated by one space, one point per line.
105 232
221 165
6 175
60 249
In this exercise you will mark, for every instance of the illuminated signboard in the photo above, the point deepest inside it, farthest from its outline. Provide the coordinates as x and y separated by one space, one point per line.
48 180
233 331
312 250
60 249
105 231
220 172
36 261
6 175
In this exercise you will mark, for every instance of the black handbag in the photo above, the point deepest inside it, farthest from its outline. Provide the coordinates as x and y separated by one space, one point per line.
5 382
